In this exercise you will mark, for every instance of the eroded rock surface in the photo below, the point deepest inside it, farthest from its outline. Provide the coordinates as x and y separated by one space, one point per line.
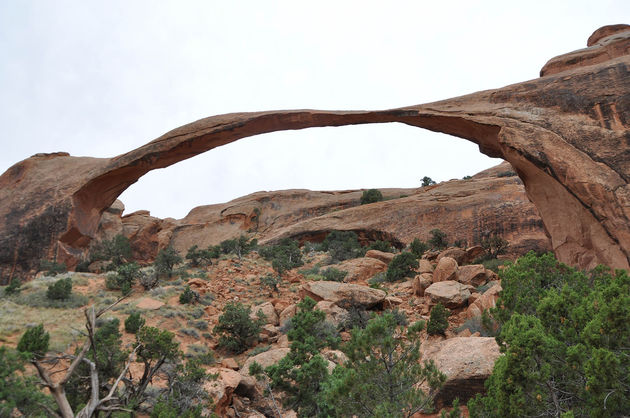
566 134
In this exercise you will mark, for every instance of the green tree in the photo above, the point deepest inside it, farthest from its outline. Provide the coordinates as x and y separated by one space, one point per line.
188 296
60 290
438 321
117 251
379 245
18 390
34 341
401 266
199 257
371 196
427 181
494 245
166 259
564 338
342 245
284 256
239 246
301 373
52 268
237 331
383 374
134 322
438 239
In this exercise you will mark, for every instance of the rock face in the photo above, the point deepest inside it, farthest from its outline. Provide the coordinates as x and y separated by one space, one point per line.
566 134
467 362
449 293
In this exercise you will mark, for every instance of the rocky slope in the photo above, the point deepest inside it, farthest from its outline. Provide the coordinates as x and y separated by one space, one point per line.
565 133
492 202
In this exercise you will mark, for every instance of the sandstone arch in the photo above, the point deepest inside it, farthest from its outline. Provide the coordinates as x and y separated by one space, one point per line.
566 134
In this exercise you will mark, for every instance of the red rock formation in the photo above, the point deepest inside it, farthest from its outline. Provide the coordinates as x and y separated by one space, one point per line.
566 134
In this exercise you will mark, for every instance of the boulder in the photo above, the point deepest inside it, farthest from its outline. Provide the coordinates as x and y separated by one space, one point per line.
449 293
455 253
424 266
334 314
383 256
473 253
271 317
287 313
361 269
467 362
265 359
472 274
222 388
486 301
341 293
446 269
421 282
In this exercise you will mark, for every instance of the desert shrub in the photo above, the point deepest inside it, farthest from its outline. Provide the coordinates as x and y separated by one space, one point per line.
39 299
191 332
284 256
148 279
378 279
342 245
258 349
460 243
466 177
270 281
494 264
236 330
438 239
133 323
384 246
166 259
371 196
399 317
83 266
201 324
199 257
333 274
34 341
52 268
494 245
357 317
401 266
117 250
188 296
427 181
239 246
438 321
418 248
478 324
60 290
124 278
14 287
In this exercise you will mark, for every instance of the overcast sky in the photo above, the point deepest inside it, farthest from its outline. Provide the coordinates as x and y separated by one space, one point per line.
99 78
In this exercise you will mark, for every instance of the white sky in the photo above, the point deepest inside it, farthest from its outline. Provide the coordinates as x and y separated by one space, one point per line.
99 78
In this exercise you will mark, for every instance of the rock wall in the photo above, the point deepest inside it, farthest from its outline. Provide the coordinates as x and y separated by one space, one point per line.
566 134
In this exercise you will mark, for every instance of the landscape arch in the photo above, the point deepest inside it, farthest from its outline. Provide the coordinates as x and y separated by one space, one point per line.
566 134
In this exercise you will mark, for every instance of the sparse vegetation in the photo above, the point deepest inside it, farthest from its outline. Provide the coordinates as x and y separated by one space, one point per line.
342 245
237 331
418 248
52 268
199 257
166 259
384 246
238 246
438 239
284 256
117 251
438 321
401 266
333 274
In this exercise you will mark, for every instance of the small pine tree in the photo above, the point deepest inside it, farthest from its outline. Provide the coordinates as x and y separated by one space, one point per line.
438 321
134 322
438 239
166 260
427 181
418 248
60 290
188 296
236 330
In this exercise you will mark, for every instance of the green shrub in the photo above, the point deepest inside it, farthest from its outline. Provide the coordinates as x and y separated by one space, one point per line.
39 299
201 324
371 196
166 259
14 287
384 246
133 323
378 279
188 296
438 239
148 279
83 266
117 250
401 266
284 256
418 248
237 331
60 290
334 275
508 173
239 246
494 246
34 341
494 264
200 257
52 268
438 321
342 245
271 282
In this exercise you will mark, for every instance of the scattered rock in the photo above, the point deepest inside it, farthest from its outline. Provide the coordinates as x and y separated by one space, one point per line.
486 301
222 388
446 269
473 253
449 293
421 282
455 253
265 359
287 314
268 310
424 266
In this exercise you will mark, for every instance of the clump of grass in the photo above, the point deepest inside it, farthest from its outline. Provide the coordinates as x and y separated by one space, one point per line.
191 332
259 349
38 299
200 325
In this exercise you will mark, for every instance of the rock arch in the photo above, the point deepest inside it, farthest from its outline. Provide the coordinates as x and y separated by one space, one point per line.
566 134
